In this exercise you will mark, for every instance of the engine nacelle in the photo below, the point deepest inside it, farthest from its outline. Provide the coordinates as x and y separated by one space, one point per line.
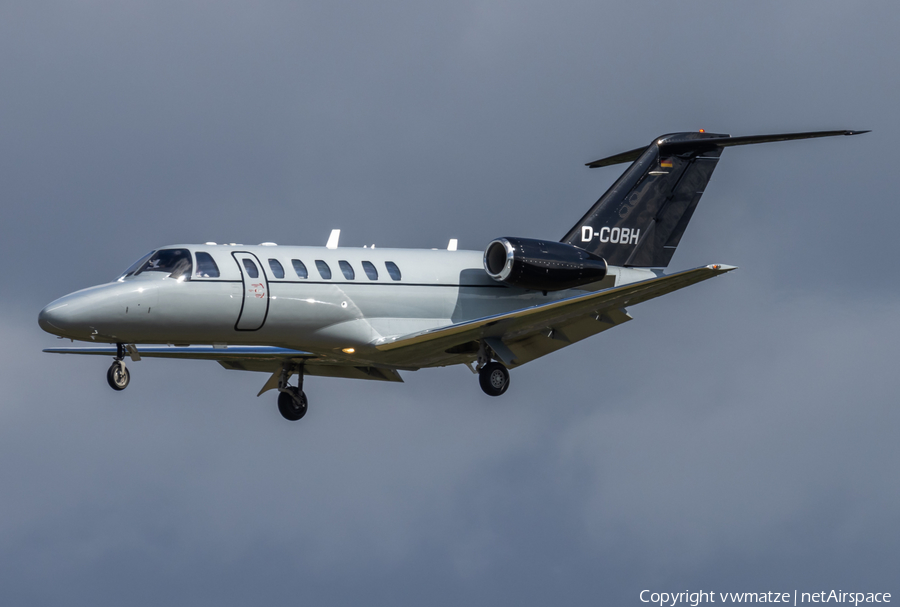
541 265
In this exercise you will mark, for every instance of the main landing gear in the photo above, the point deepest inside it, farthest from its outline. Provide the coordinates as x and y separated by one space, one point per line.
118 376
494 379
292 402
492 376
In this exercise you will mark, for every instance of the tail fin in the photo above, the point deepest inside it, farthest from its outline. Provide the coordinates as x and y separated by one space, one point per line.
639 221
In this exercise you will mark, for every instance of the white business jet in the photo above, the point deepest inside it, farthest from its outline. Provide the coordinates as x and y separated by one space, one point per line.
370 313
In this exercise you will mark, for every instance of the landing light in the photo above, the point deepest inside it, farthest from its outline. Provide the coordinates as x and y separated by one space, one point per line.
348 350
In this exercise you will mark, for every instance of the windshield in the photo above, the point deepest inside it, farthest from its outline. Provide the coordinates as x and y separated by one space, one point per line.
175 262
133 267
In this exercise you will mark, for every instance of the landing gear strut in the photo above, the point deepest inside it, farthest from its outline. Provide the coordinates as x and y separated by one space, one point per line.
292 402
118 376
492 376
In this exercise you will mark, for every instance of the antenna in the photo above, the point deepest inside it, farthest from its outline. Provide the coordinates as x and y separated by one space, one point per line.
452 245
333 239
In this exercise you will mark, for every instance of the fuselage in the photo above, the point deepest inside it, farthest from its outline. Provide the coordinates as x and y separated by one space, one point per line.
335 302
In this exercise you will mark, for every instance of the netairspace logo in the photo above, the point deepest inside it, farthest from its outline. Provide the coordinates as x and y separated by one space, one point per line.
673 599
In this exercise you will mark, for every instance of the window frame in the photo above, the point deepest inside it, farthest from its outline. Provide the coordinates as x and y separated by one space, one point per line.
305 275
320 264
197 267
130 271
393 271
185 273
245 261
273 264
370 270
346 269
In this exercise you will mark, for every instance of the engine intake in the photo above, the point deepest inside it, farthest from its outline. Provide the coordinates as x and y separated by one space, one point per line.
541 265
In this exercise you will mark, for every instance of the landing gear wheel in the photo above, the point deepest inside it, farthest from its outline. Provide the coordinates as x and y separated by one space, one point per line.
494 379
292 404
118 376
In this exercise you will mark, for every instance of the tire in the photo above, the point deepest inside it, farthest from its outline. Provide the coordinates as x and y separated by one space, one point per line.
292 405
494 379
118 376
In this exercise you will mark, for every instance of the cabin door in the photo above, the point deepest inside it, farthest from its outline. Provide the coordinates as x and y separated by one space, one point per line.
255 306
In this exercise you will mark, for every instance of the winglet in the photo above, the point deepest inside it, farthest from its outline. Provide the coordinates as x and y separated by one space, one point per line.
721 267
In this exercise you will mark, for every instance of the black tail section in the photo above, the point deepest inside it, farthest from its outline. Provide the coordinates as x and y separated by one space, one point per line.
639 221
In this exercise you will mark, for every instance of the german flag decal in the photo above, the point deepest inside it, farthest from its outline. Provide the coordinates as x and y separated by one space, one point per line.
665 163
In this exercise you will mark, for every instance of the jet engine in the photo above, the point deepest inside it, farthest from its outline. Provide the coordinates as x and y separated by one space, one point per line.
541 265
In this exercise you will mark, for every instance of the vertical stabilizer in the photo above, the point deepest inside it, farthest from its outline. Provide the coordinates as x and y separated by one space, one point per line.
640 220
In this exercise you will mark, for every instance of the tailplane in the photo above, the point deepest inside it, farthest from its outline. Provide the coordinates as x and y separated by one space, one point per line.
639 221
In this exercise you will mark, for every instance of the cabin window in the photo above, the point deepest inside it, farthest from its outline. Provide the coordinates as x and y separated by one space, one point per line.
324 270
277 268
370 270
299 268
252 270
347 269
176 262
393 270
206 266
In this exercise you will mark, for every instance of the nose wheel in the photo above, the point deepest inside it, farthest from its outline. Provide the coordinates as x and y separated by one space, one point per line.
118 375
494 379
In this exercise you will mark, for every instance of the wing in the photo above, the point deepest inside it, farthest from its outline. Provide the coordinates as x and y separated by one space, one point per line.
226 354
523 335
266 359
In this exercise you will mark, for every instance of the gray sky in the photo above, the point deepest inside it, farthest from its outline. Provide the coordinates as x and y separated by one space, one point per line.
739 436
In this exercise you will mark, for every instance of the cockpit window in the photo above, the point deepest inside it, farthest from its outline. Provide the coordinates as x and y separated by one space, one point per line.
252 270
277 268
300 268
176 262
347 269
393 270
371 272
133 267
324 270
206 266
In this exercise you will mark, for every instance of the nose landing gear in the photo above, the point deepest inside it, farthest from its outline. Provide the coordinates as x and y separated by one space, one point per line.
292 402
118 376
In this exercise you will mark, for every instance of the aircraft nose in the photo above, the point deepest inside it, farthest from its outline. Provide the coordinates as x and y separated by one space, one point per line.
52 318
81 314
68 316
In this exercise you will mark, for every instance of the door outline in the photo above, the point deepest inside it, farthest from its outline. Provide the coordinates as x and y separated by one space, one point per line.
244 292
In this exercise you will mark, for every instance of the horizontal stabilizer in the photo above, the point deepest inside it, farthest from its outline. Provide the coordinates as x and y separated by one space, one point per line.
629 156
680 147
